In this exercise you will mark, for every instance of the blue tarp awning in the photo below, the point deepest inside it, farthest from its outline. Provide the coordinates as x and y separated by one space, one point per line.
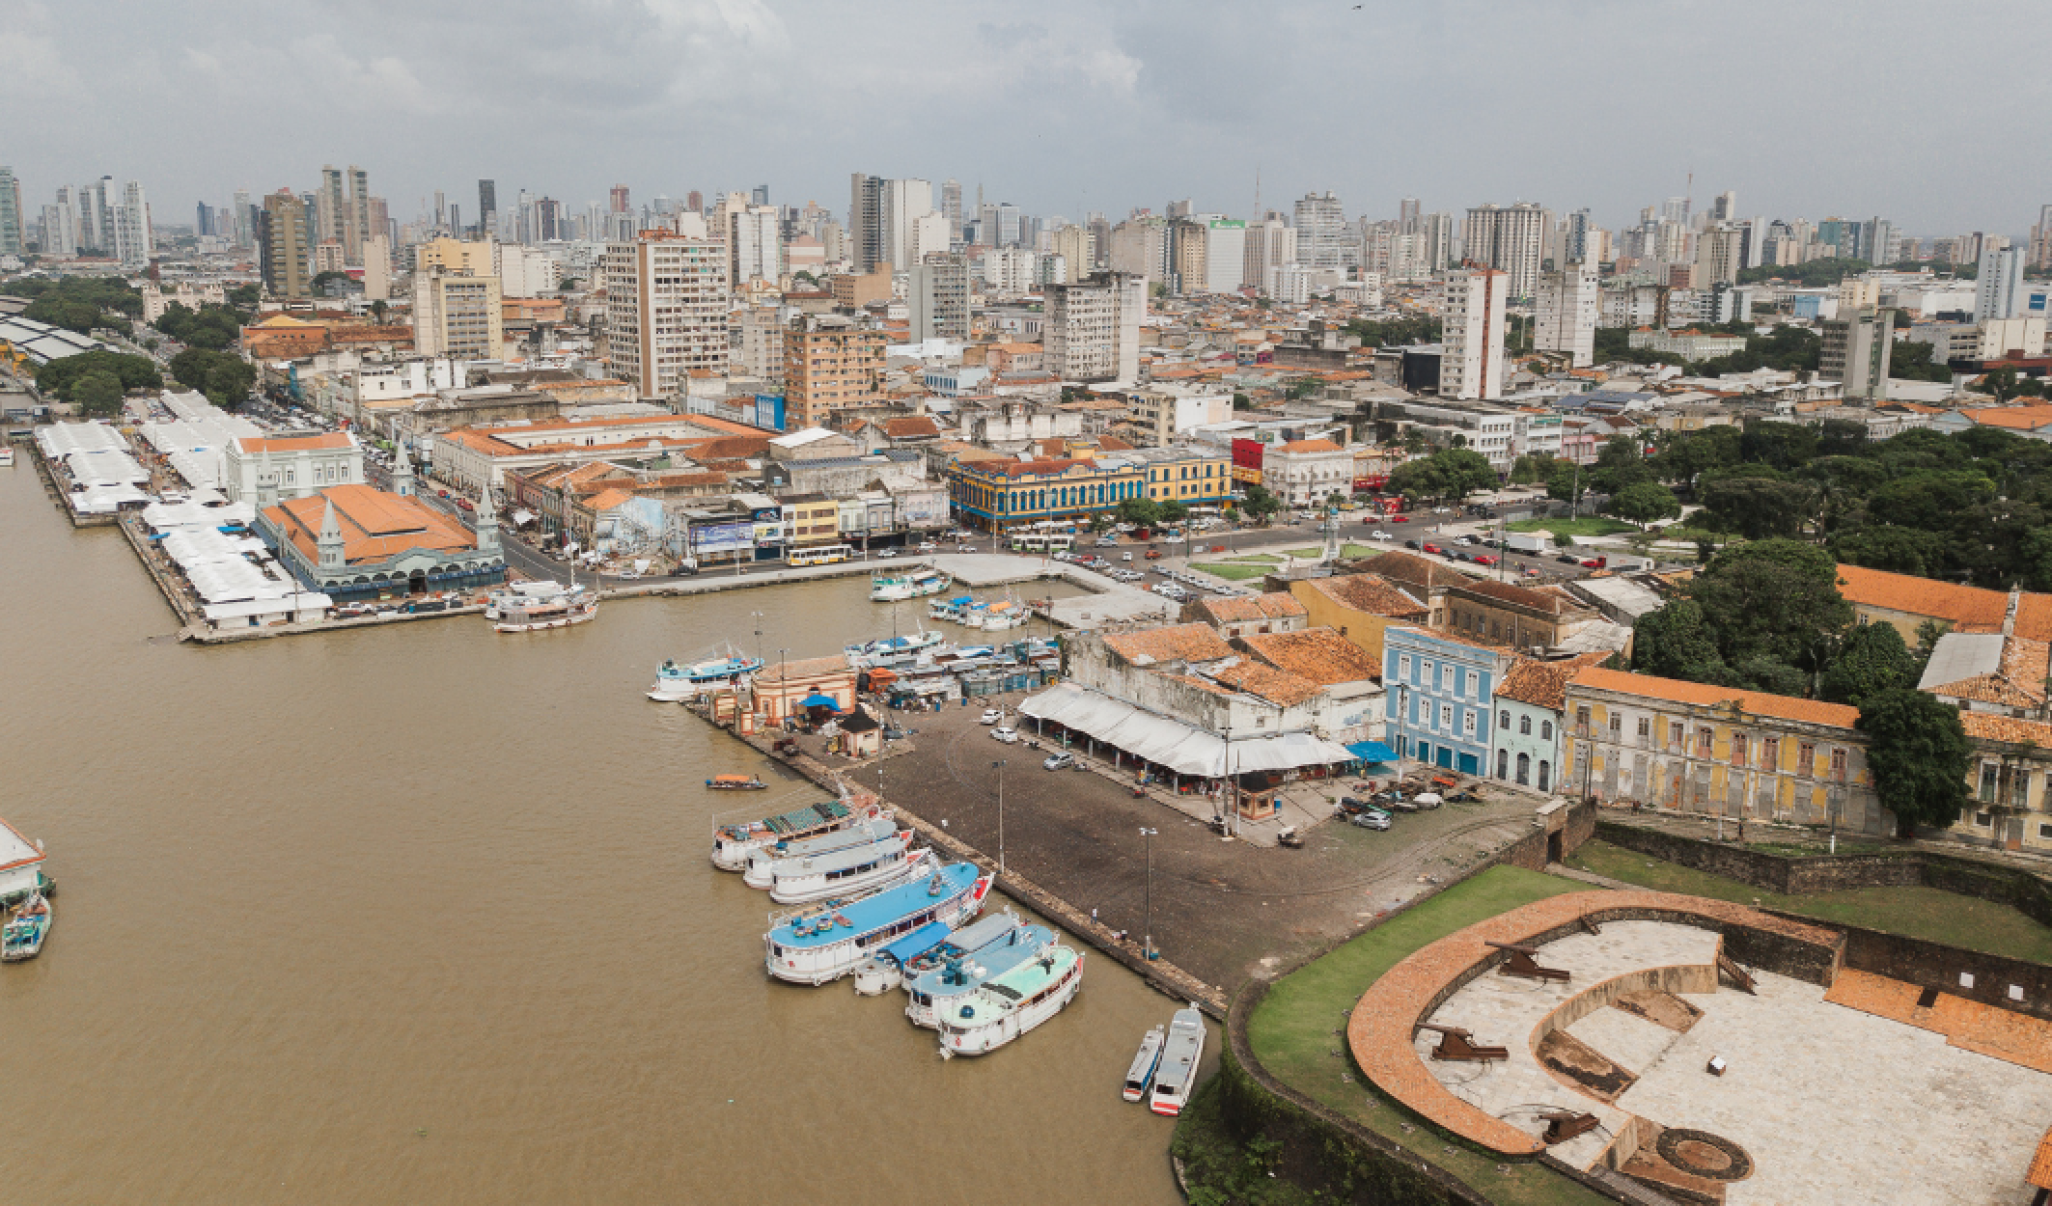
1372 751
820 701
918 942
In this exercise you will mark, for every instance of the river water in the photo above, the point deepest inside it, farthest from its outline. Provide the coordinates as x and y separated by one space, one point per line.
424 914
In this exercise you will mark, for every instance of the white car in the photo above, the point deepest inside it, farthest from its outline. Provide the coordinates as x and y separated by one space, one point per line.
1380 536
1468 540
1125 556
993 715
887 553
928 546
1008 736
1107 542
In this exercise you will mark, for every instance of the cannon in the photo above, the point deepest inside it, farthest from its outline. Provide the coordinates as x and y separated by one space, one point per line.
1456 1044
1519 963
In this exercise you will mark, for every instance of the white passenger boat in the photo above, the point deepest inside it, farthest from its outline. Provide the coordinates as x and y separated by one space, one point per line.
934 990
533 606
679 681
813 946
22 934
735 841
843 872
929 949
755 871
899 585
1005 614
892 651
949 609
1177 1074
972 615
1008 1006
1141 1075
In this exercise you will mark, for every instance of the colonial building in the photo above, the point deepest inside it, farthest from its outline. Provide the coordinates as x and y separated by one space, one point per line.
1195 476
1306 472
1002 494
1442 696
1360 607
1278 611
261 470
1531 733
353 541
1720 750
1908 602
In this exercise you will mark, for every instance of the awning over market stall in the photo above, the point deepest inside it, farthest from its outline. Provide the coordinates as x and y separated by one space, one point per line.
1372 751
1171 743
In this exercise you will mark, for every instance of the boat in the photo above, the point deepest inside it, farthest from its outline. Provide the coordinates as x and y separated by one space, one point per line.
928 949
1005 614
21 936
733 843
892 651
678 681
856 869
533 606
949 609
736 783
1141 1074
755 872
822 943
972 615
896 586
934 990
1006 1007
1178 1069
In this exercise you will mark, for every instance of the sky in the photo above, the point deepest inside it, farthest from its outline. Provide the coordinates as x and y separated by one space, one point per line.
1931 116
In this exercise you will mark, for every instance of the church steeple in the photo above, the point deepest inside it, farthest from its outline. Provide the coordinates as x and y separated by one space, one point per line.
402 472
329 545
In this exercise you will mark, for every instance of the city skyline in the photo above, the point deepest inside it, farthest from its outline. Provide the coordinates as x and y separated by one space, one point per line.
1070 113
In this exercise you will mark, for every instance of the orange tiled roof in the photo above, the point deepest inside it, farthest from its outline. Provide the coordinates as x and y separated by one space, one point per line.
1173 643
375 526
1549 603
1371 593
1413 571
1308 446
331 439
1966 608
1029 468
1271 606
1986 726
1276 686
1543 684
1759 703
2018 681
1317 655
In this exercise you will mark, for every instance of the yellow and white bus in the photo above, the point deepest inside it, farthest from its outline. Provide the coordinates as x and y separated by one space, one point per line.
823 554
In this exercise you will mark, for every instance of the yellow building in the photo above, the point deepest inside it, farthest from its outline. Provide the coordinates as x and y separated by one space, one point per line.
1360 607
456 257
1000 494
1186 475
1718 750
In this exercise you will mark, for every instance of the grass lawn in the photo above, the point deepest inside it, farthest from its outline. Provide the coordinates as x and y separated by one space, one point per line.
1915 912
1265 558
1587 525
1292 1033
1231 572
1347 551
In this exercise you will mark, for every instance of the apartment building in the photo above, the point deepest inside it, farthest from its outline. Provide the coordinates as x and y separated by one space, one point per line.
457 315
1510 239
830 364
1471 333
1568 304
282 246
1856 350
1091 329
937 298
666 310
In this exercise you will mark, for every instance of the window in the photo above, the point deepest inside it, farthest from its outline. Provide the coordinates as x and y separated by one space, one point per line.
1806 759
1503 721
1703 739
1404 666
2044 830
1524 768
1838 765
1674 734
1738 749
1524 726
1988 778
1545 730
1582 720
1770 753
1645 728
1469 720
1545 774
1502 763
1616 725
1982 819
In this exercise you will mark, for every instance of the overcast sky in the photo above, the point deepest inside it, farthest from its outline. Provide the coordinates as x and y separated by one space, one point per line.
1932 115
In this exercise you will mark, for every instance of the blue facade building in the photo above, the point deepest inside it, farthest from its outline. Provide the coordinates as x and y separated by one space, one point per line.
1441 693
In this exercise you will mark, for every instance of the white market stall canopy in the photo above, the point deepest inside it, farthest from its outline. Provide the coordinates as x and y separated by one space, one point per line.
1171 743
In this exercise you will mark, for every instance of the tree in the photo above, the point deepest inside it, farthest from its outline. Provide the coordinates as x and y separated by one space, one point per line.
1174 510
1871 660
1261 502
1758 508
1644 502
97 393
1675 641
59 377
1451 473
378 310
1140 512
1620 464
1898 550
1919 754
1776 599
1530 468
245 296
225 378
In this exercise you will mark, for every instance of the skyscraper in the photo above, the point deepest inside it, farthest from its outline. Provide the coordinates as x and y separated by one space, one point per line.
1321 224
760 196
1091 331
1471 333
1569 301
951 208
1270 244
133 240
1509 239
619 200
666 310
10 212
938 298
1725 207
245 219
282 244
1856 351
1998 287
882 217
487 206
1407 214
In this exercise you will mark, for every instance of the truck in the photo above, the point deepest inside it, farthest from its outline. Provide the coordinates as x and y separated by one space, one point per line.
1527 542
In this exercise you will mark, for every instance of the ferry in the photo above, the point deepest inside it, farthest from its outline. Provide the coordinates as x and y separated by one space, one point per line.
1005 614
733 843
21 937
813 946
934 990
1008 1006
755 872
1141 1074
949 609
891 651
856 869
532 606
928 949
1179 1055
909 584
679 681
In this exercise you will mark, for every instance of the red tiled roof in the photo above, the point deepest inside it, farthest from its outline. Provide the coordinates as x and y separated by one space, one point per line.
1173 643
1674 690
1543 684
1371 593
1317 655
1966 608
332 439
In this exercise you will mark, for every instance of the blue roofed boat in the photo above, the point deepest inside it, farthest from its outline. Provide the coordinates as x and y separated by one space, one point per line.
927 949
949 609
1006 1006
815 945
937 988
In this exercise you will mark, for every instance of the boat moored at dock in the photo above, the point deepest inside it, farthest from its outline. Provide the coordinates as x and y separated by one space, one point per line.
892 651
949 609
679 681
1177 1072
734 842
813 946
929 949
856 869
533 606
1140 1076
936 988
27 924
755 872
894 587
1008 1006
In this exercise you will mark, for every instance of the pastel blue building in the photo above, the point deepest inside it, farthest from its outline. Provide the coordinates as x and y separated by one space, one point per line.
1441 694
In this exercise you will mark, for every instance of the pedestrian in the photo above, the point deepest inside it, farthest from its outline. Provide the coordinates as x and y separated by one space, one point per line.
1093 914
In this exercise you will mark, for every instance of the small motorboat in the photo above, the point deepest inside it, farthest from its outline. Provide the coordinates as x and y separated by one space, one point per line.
21 937
735 783
1185 1047
1141 1075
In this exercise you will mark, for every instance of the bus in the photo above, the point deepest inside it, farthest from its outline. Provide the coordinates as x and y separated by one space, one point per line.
825 554
1043 538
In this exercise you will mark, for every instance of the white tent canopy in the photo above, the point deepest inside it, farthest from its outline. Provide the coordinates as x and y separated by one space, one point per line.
1171 743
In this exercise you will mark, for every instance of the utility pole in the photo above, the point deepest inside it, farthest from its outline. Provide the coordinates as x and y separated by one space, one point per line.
1147 925
1000 767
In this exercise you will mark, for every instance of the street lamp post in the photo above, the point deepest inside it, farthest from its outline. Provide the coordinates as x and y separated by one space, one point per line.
1147 924
784 684
757 616
999 766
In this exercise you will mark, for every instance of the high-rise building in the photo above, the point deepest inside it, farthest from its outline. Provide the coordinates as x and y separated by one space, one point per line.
618 200
1725 207
830 364
1225 255
134 241
666 310
1719 254
1188 245
937 298
457 315
1998 288
1471 333
283 246
1271 243
245 219
1856 351
1436 251
1072 243
1407 214
754 243
10 212
951 208
1091 329
1510 239
60 226
1139 247
1569 302
487 206
2041 239
1321 224
377 267
98 216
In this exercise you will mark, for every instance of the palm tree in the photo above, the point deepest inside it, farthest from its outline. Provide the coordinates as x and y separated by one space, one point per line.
377 310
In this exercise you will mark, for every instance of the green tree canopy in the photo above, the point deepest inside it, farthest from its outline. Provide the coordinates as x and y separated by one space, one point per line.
225 378
59 377
1870 661
1776 599
1683 455
1757 508
1451 473
1644 502
1174 510
1919 755
213 327
97 393
1261 502
1675 641
1620 465
1888 547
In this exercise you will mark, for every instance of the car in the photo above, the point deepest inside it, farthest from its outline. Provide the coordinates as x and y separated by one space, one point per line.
1154 554
1125 556
1058 762
1568 559
1593 563
1009 736
1486 559
1459 556
1400 519
993 715
1370 820
1410 544
1468 540
465 504
967 548
1379 535
1433 548
928 546
887 552
1530 572
1107 542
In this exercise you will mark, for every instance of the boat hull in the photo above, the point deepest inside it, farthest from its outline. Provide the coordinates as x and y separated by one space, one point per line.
1017 1023
817 965
876 977
579 615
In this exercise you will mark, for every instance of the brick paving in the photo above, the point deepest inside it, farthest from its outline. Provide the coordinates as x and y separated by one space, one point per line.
1969 1025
